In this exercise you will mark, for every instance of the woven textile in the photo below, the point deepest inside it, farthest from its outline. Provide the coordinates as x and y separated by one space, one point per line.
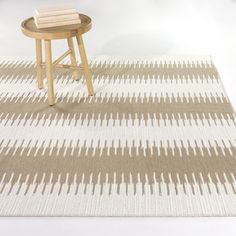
157 139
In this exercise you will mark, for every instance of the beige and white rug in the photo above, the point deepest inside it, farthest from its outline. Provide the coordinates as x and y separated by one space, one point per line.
157 139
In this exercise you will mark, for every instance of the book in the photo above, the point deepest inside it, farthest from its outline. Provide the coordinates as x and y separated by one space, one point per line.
54 11
56 24
50 19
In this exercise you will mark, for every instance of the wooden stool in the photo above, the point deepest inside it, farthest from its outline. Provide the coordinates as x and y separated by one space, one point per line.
29 29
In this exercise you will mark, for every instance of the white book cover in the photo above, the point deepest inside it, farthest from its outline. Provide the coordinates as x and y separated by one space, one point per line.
59 23
54 11
50 19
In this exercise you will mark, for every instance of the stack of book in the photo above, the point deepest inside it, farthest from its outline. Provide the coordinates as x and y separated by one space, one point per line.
55 16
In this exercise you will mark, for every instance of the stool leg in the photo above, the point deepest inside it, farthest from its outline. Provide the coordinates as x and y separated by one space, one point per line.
39 63
72 57
48 53
85 66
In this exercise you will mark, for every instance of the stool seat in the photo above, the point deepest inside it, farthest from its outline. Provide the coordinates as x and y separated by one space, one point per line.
67 32
29 29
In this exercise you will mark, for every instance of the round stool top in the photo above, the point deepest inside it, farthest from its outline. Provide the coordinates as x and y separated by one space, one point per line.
29 29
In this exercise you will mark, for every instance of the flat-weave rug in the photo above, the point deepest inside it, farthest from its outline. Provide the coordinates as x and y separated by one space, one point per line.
157 139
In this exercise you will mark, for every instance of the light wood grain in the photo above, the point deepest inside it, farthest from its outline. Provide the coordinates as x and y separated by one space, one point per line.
85 65
72 57
59 59
39 63
29 29
48 52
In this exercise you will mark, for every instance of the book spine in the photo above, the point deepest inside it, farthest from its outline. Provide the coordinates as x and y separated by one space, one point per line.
53 8
55 13
55 24
50 19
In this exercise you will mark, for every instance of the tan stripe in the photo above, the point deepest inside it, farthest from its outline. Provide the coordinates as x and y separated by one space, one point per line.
121 108
193 166
118 70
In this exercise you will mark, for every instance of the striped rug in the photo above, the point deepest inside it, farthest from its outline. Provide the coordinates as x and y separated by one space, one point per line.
157 139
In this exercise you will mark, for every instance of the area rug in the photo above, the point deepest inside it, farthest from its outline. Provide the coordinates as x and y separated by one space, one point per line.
158 138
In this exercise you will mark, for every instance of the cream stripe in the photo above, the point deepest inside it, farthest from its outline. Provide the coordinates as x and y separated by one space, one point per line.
119 88
125 132
113 204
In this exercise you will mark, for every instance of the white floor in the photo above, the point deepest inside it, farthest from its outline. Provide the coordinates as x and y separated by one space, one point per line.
118 226
134 28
